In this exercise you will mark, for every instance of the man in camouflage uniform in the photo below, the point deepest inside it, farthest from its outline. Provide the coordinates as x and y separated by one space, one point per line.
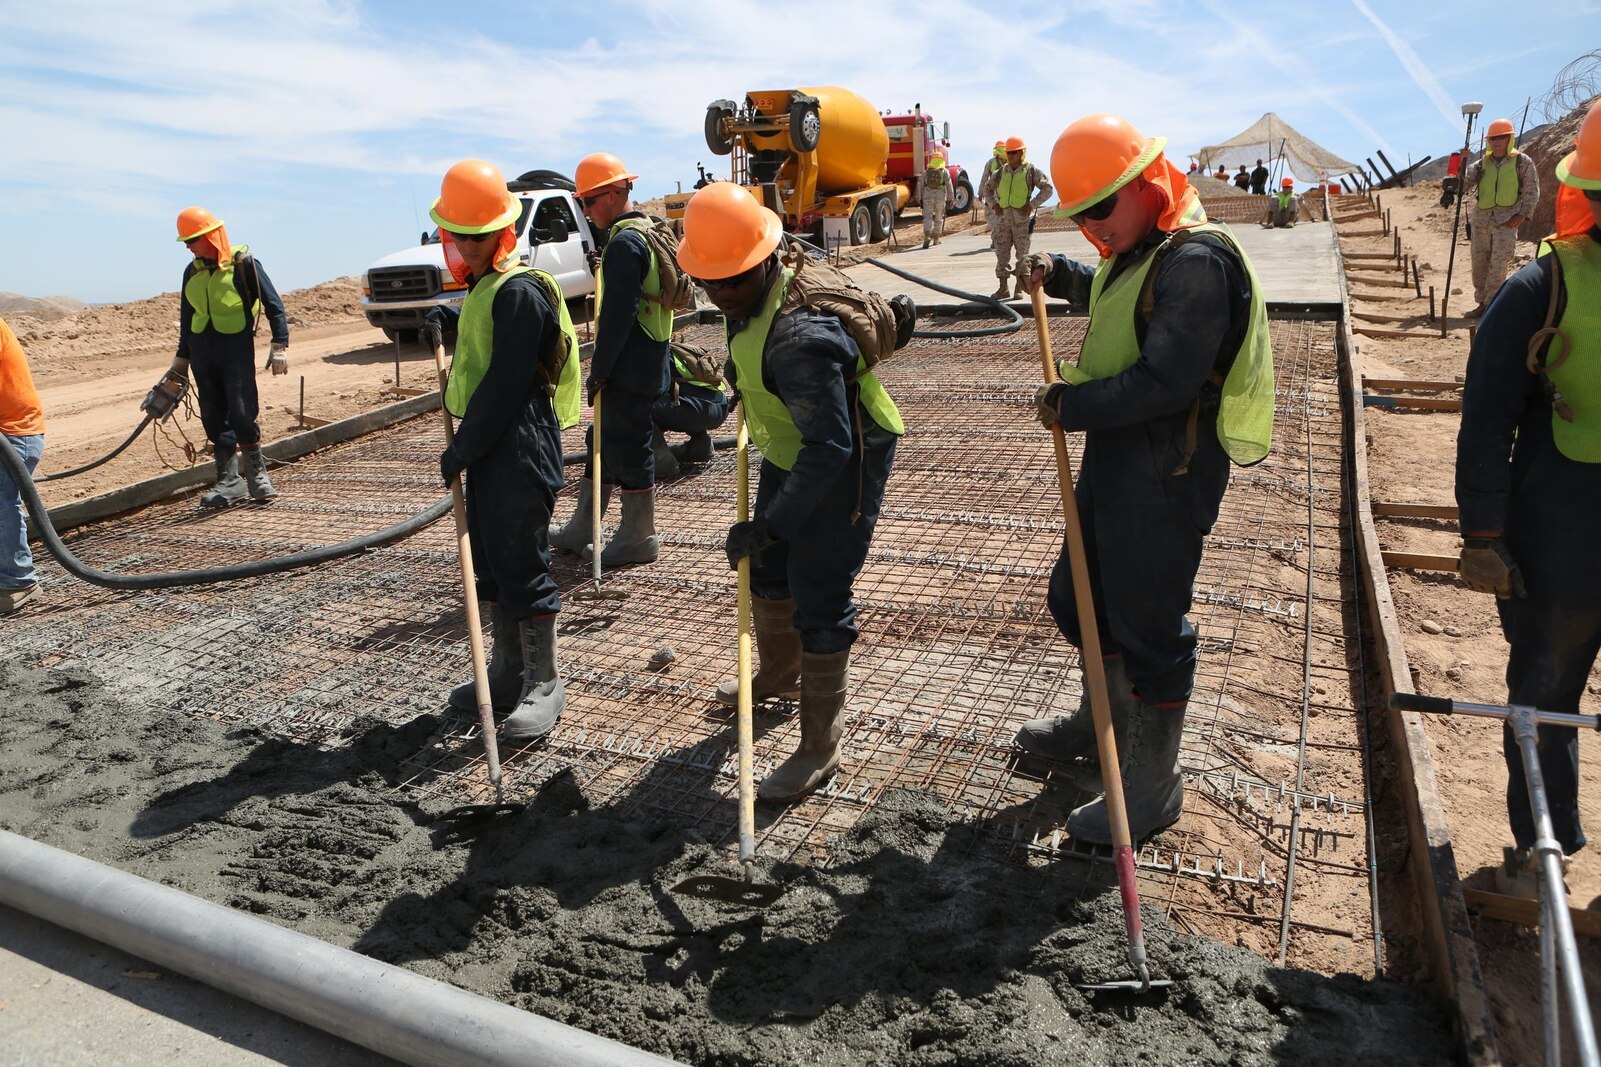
995 163
936 189
1017 189
1507 190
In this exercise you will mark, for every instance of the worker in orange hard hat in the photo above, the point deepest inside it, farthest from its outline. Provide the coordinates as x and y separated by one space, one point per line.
992 167
514 385
1174 381
1528 486
223 294
827 430
1508 190
933 191
1283 207
630 366
1017 189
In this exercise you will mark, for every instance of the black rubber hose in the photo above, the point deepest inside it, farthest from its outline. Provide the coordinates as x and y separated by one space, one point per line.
107 458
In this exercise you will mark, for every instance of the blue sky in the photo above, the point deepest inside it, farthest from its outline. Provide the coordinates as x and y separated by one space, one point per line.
319 129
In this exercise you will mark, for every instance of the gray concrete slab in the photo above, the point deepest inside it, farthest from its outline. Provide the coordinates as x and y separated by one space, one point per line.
1296 266
68 1000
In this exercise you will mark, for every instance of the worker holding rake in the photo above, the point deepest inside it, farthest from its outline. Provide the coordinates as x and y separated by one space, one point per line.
1175 379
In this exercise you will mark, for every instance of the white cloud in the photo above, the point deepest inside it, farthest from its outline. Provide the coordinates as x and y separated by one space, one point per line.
1414 66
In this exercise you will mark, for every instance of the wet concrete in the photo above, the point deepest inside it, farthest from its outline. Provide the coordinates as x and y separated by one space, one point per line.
912 946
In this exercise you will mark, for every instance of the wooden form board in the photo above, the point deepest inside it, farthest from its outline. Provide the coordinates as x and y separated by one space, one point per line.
1586 923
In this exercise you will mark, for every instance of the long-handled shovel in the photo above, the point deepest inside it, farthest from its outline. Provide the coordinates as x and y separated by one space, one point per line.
746 890
1095 677
596 591
475 636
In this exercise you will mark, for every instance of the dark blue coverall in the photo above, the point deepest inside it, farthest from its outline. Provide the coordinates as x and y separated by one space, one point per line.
691 408
635 368
224 364
823 510
1144 525
510 443
1510 477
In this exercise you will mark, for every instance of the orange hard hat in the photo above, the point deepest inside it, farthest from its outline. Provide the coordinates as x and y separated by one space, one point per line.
600 169
194 221
1000 144
1500 128
1015 144
1581 168
1096 156
726 232
1287 183
473 199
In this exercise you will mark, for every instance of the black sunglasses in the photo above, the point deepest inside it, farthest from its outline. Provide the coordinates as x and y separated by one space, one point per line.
593 198
1096 212
475 238
1593 195
732 282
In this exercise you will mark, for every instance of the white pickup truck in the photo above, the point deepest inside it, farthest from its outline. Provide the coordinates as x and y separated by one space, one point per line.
552 234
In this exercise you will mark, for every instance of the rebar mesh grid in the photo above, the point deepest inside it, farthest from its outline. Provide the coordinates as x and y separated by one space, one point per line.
958 646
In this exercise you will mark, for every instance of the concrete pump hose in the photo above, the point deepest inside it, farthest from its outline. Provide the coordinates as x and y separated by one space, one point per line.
107 458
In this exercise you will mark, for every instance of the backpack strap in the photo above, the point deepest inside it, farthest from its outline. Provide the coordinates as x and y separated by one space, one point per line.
1539 362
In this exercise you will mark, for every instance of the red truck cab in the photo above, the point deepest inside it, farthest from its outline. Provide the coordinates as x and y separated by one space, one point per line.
913 141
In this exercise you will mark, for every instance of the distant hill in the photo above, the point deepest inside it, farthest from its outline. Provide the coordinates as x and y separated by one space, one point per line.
47 308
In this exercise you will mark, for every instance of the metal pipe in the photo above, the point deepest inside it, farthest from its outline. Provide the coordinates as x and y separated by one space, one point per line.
390 1010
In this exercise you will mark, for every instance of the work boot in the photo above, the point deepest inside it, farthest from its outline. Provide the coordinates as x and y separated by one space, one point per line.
635 540
12 600
1070 739
698 449
505 668
777 647
1519 873
256 479
1475 311
575 534
1153 785
666 462
824 676
927 241
1002 293
230 487
543 695
1021 290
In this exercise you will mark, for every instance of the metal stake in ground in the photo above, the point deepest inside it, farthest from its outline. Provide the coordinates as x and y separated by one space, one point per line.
595 592
475 633
1095 680
718 887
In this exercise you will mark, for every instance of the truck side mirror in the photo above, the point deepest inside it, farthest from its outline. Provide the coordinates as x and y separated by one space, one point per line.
552 233
945 135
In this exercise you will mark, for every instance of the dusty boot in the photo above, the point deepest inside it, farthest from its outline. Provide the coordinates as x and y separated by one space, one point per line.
1519 873
824 676
779 650
635 540
666 461
230 487
1020 292
1153 785
543 695
1070 739
698 449
505 668
255 465
926 241
1475 311
1002 293
574 535
13 600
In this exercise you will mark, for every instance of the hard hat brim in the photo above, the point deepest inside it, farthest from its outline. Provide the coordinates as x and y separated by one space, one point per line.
690 259
1566 176
499 222
215 224
1147 156
609 181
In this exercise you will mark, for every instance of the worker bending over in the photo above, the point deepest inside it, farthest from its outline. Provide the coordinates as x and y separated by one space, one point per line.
827 431
1017 187
696 405
514 385
1508 190
1528 484
628 371
1175 378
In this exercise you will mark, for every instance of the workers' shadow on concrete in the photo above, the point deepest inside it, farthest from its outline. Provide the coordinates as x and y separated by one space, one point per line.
380 352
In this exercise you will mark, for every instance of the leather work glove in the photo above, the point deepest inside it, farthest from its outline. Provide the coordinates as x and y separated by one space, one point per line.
450 465
1046 399
593 387
1037 266
431 334
747 539
278 358
1488 567
164 397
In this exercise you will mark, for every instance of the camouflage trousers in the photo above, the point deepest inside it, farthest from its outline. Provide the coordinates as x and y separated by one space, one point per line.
1492 254
934 216
1011 232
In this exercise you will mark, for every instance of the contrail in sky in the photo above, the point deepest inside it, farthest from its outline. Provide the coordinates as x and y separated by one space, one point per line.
1421 75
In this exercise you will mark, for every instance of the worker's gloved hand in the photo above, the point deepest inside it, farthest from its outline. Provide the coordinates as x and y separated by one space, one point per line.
1037 267
431 334
593 387
592 258
278 358
164 397
1488 567
747 539
450 465
1046 399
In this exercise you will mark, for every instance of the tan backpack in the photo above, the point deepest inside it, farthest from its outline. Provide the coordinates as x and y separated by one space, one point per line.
678 292
701 364
869 317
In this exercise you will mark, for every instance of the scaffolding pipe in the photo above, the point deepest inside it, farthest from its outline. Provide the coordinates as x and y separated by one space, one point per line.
382 1007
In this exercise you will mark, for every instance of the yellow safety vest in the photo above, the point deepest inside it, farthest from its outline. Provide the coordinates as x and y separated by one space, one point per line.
1498 182
1011 189
1575 369
475 344
654 319
213 294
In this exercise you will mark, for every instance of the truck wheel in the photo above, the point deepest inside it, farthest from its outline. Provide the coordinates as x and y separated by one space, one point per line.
861 225
805 125
404 337
716 140
962 199
883 217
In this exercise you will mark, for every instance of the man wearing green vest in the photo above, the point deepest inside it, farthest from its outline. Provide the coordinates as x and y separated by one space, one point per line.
1508 190
933 191
1175 380
628 371
1017 188
223 293
1528 487
514 385
991 167
827 431
1282 207
696 405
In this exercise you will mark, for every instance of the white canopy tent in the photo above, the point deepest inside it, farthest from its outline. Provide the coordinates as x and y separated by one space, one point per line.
1269 138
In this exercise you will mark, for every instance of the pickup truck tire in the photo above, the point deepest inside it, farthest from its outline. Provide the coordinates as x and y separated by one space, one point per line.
805 125
716 139
404 337
883 217
962 198
861 225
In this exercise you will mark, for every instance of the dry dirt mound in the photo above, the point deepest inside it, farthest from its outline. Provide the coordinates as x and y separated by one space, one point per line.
13 305
1208 187
1546 148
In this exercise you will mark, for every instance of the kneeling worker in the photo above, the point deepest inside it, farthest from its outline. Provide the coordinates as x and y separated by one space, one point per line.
696 405
827 431
1282 207
514 384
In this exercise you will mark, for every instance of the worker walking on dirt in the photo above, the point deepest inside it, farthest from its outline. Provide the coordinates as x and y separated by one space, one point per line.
1018 188
695 405
827 430
1282 207
935 190
514 384
1528 475
1175 379
1508 189
1259 178
223 294
992 168
629 365
22 424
